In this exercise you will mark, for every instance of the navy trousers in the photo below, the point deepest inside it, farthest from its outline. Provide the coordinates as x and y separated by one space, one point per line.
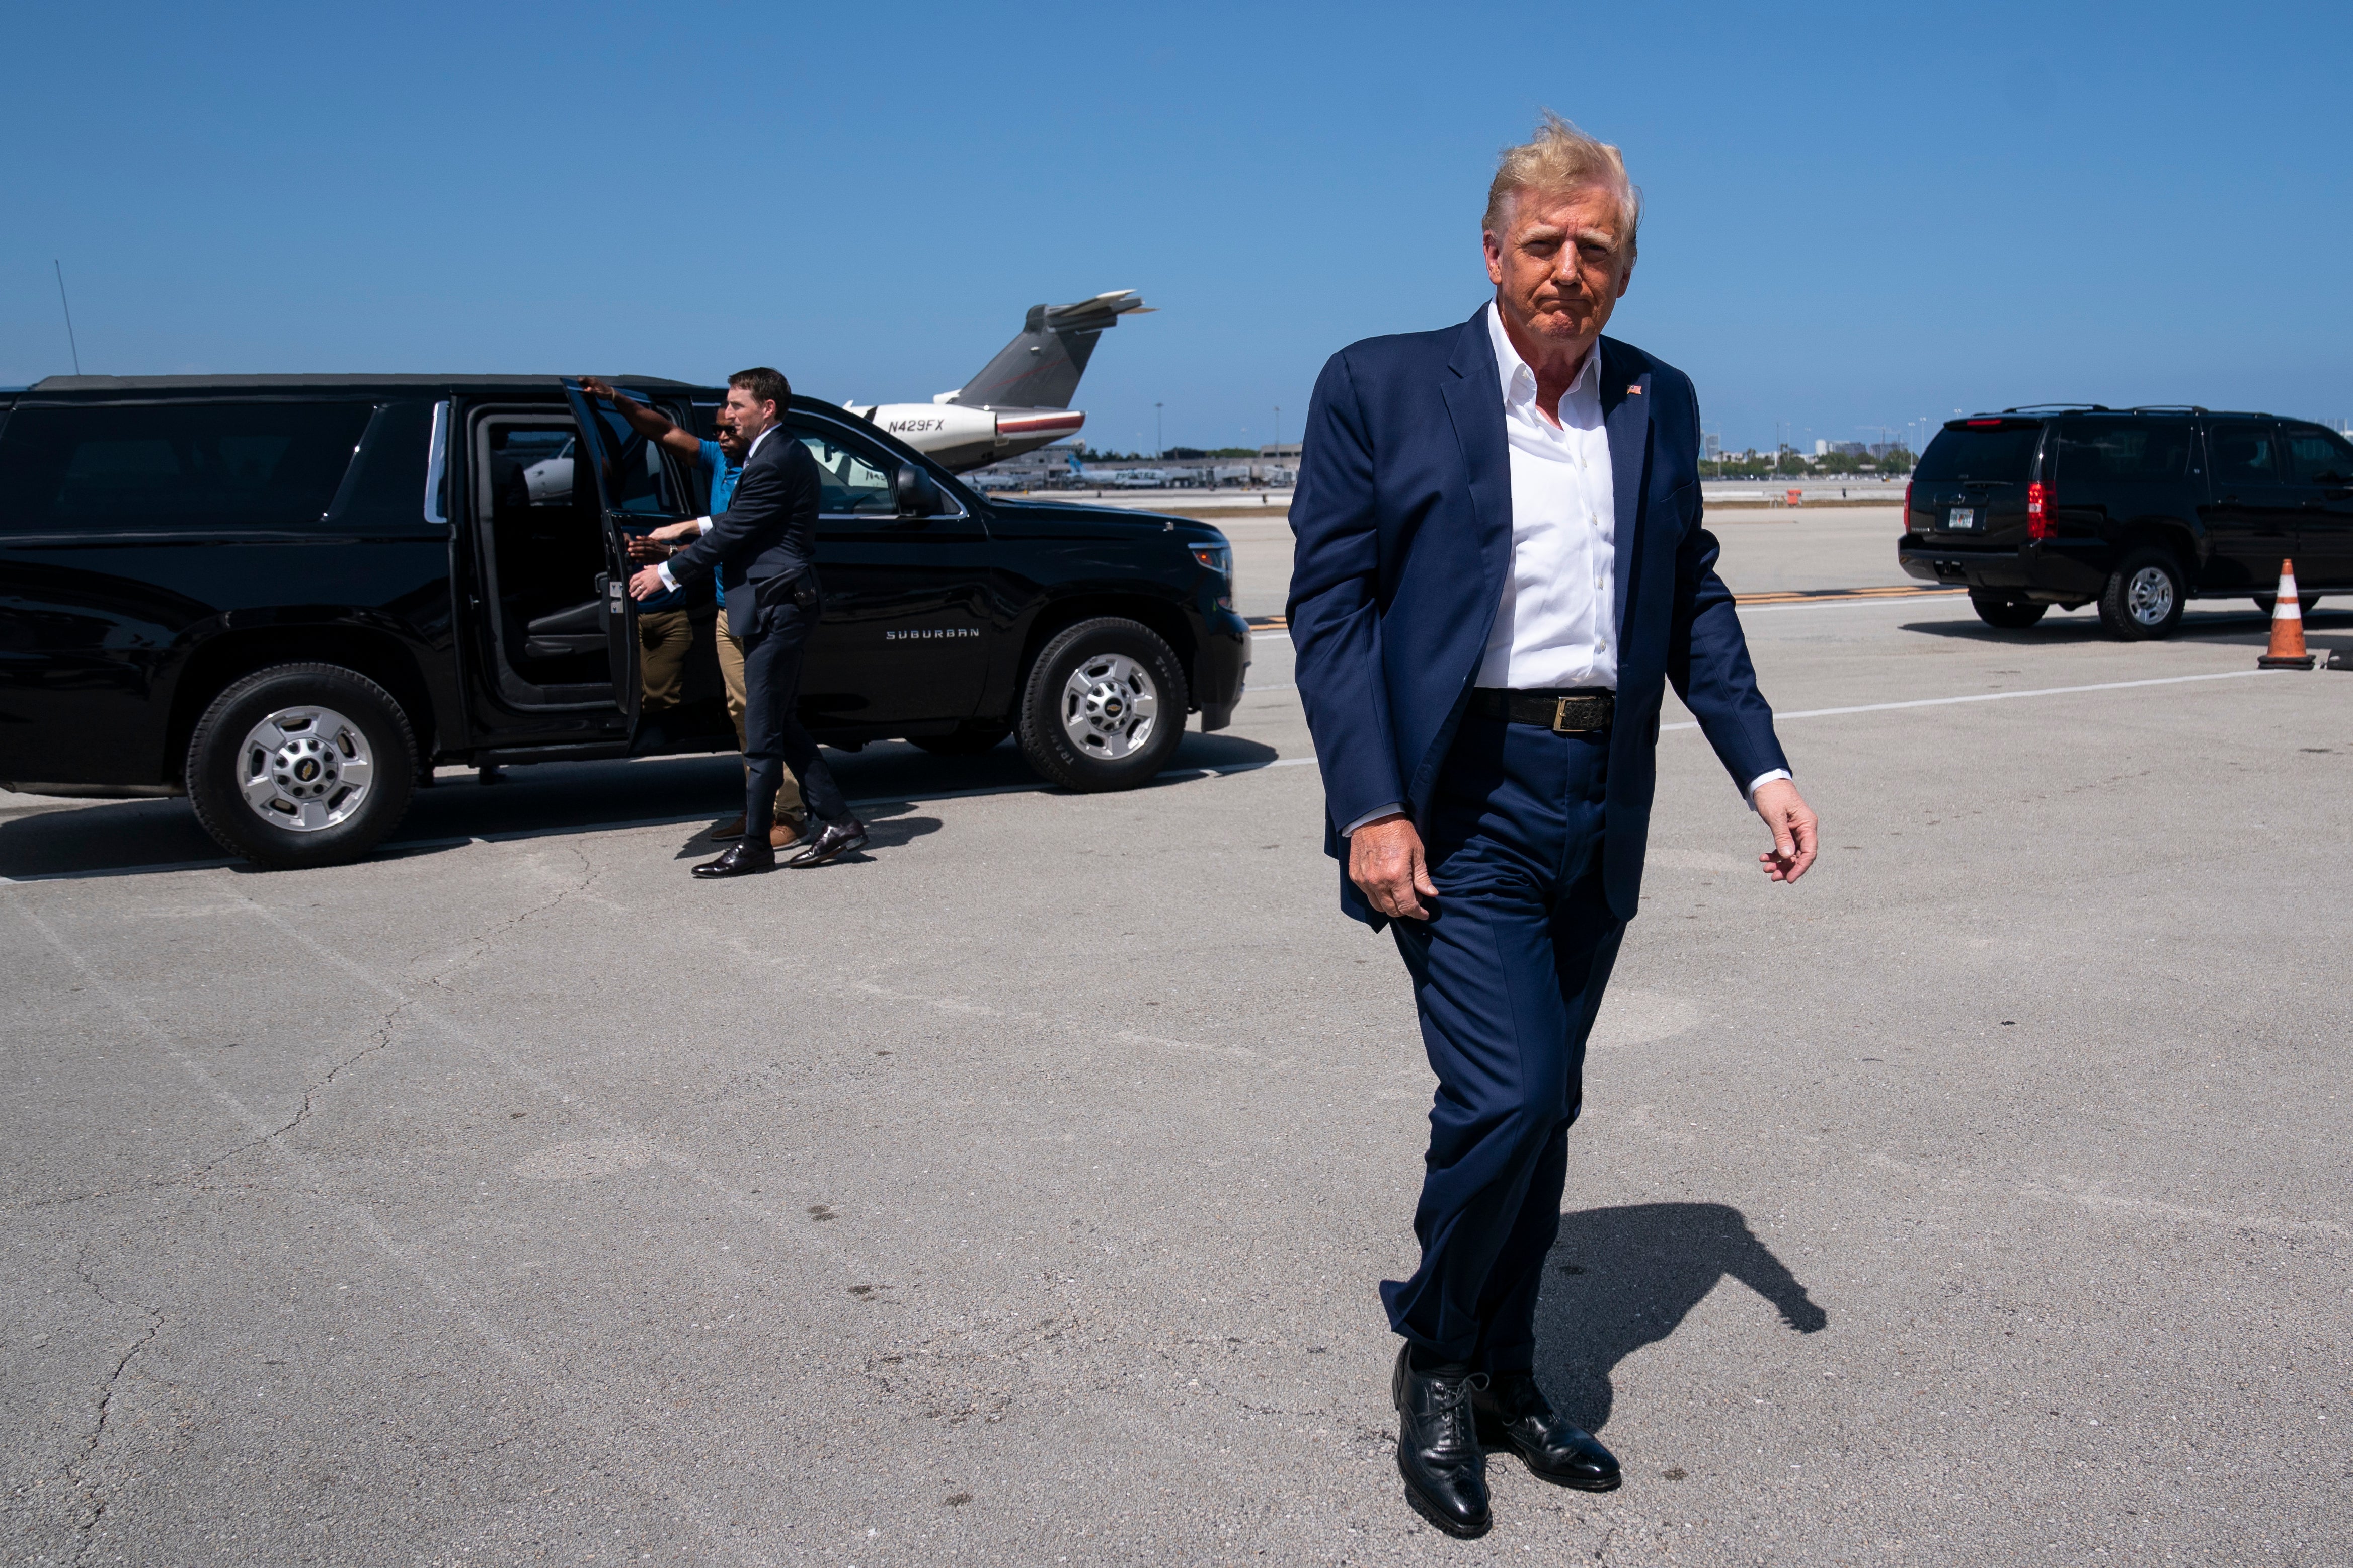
773 737
1507 976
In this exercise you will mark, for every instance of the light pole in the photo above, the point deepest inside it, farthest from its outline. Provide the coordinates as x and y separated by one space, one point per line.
1159 441
1278 424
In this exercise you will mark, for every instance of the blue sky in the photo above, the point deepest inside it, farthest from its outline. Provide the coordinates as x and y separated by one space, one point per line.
1857 217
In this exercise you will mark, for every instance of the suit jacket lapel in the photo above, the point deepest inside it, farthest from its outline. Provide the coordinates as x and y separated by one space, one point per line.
1473 391
1626 414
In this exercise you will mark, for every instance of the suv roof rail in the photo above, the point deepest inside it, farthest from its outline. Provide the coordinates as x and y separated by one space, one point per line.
2037 407
2169 408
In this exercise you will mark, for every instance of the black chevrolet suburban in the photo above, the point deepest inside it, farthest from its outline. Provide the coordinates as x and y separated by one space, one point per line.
2138 509
291 597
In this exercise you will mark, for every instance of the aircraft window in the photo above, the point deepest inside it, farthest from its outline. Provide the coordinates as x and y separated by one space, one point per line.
850 483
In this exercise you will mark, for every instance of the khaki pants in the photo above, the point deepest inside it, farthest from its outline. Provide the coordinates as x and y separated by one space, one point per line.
664 639
731 669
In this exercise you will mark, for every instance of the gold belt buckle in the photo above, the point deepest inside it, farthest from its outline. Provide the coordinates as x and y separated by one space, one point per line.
1560 724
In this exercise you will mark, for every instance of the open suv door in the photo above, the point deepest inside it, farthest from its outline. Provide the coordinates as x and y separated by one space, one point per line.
636 489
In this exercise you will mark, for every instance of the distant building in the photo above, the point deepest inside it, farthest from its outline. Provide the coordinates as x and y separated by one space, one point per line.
1711 444
1279 451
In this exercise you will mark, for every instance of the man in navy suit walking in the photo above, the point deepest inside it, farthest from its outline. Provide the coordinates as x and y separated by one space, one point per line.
762 550
1499 569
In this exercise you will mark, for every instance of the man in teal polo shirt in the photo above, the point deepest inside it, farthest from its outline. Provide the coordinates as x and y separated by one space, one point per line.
721 462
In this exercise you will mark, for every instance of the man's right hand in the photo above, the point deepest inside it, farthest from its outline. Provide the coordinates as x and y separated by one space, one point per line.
1385 861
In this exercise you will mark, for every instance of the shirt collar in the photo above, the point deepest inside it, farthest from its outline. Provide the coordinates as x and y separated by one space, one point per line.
761 437
1519 381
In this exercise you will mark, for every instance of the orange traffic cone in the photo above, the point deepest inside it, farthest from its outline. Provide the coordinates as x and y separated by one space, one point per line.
2287 627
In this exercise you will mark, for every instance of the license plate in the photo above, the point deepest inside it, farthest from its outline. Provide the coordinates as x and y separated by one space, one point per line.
1964 519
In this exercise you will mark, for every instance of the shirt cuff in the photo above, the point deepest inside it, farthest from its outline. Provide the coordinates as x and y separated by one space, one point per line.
1760 781
672 583
704 523
1392 809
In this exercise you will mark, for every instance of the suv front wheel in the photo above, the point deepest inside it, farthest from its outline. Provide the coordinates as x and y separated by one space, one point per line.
301 764
2143 597
1104 706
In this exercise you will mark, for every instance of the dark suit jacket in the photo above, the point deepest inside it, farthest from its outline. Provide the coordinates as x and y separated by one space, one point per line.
767 534
1403 514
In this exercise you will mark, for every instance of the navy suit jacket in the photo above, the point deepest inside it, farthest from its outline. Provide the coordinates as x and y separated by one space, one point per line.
767 534
1403 514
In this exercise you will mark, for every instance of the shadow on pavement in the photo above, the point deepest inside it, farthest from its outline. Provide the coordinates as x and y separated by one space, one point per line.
1620 1279
2219 629
73 838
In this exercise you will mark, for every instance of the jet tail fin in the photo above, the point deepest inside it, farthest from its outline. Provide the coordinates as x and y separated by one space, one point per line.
1040 368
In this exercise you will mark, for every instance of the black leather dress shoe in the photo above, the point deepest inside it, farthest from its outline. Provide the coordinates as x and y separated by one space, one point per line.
838 839
1438 1449
742 858
1514 1413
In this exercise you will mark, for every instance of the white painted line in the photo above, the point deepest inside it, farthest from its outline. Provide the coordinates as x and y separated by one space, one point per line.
1989 697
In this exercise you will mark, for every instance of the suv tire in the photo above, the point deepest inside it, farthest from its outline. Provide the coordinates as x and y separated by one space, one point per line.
1104 706
301 764
2142 599
2008 611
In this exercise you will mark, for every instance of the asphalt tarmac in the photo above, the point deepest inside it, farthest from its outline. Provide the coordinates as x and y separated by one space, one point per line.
1016 1193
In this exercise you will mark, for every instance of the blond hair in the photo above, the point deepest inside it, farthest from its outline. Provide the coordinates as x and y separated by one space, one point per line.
1559 158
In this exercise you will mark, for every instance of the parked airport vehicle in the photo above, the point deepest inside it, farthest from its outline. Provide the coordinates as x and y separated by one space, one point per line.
290 597
1021 399
2138 509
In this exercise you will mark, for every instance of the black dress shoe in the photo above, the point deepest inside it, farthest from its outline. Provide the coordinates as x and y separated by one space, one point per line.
838 839
1438 1449
1514 1413
742 858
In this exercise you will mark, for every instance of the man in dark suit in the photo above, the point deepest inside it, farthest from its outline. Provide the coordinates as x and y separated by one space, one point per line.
763 549
1500 570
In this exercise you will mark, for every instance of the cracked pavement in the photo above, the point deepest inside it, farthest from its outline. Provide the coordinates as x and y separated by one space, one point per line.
1015 1194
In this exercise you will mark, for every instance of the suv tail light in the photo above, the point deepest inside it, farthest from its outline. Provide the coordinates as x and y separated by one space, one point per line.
2037 511
1907 506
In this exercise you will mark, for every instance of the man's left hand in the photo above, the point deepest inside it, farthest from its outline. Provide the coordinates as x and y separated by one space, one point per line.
1796 835
648 583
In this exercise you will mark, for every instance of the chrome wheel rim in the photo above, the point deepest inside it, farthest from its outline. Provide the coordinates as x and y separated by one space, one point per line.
1110 707
304 769
2148 597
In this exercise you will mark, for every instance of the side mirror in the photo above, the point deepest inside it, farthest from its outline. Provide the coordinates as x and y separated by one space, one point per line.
914 490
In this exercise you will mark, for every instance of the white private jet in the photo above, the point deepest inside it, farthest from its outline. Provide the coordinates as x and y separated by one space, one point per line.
1021 399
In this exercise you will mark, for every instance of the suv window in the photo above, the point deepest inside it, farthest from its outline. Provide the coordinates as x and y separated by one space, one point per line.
2005 456
2313 453
2126 450
187 466
2240 452
849 482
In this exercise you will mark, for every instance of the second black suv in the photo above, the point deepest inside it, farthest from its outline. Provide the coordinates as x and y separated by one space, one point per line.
2138 509
290 597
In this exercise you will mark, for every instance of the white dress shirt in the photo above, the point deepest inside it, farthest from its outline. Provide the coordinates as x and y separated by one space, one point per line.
704 523
1557 624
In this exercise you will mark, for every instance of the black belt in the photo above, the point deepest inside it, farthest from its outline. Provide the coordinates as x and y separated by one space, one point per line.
1579 712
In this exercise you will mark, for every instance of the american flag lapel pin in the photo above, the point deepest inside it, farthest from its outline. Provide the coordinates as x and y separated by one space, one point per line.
1635 390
